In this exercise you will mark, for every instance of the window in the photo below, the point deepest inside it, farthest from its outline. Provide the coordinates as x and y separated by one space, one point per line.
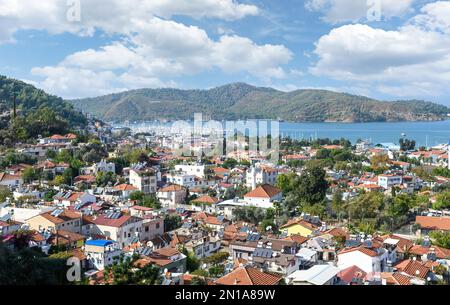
157 225
147 228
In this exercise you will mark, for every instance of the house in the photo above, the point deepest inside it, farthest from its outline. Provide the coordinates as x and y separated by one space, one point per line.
205 200
388 181
167 258
96 168
351 276
249 276
316 275
261 174
269 259
67 238
182 179
263 196
368 259
57 139
101 253
10 180
300 227
125 190
52 167
69 198
124 229
420 272
203 246
172 195
431 223
144 180
193 170
59 219
8 226
152 227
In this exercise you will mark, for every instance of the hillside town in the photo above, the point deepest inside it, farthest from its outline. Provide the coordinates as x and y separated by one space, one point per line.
131 210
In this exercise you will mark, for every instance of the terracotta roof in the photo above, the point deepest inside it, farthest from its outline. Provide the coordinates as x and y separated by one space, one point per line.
62 237
5 176
167 251
300 222
440 252
348 274
248 276
402 279
337 232
362 249
264 191
413 268
206 199
299 239
104 221
63 217
172 188
433 223
125 187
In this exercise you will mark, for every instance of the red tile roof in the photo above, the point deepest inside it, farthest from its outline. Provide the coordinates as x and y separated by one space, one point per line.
125 187
413 268
348 274
249 276
264 191
104 221
433 223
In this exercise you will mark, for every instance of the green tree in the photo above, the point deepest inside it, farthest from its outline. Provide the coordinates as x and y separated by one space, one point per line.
192 262
4 193
105 178
172 222
338 203
29 175
442 239
442 200
312 185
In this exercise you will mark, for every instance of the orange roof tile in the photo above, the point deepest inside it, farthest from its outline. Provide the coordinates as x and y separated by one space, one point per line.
264 191
249 276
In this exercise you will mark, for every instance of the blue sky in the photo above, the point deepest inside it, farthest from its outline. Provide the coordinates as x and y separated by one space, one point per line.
403 52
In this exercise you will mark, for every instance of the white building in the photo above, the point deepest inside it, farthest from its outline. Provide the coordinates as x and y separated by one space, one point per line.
145 180
194 170
367 259
259 174
10 180
316 275
172 195
263 196
122 228
181 178
387 181
101 253
102 166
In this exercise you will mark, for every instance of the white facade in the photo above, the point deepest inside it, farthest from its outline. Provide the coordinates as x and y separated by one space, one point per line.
101 256
257 175
182 179
363 261
145 181
102 166
194 170
172 198
389 181
124 235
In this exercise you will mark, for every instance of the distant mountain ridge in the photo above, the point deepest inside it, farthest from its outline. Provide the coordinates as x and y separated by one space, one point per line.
243 101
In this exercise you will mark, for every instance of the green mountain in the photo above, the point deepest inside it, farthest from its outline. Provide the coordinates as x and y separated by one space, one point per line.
241 101
37 113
